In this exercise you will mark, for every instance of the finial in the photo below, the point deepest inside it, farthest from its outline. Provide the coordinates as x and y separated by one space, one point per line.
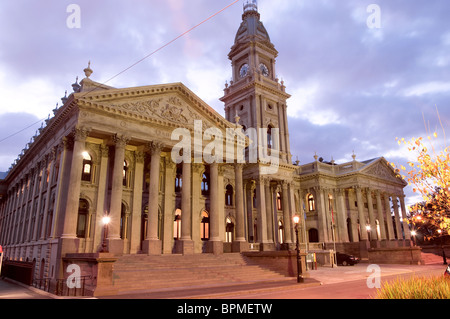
297 161
315 156
64 99
88 71
251 5
76 87
354 155
237 118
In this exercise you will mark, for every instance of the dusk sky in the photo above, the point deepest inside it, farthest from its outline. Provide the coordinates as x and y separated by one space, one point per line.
354 87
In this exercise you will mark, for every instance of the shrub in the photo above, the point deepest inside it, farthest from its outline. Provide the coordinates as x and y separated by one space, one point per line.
437 287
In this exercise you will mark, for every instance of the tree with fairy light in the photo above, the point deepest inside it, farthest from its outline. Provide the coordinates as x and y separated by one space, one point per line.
429 176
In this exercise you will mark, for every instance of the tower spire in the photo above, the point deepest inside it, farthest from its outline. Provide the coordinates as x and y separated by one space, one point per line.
250 5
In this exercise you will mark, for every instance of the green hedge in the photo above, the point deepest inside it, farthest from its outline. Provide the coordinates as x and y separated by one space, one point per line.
416 288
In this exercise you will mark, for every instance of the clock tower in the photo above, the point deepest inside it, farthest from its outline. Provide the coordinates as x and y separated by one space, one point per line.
255 95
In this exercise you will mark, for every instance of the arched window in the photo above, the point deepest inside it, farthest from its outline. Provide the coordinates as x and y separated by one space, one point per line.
279 206
177 224
229 230
229 195
311 203
269 137
204 226
178 179
125 173
83 213
205 184
87 167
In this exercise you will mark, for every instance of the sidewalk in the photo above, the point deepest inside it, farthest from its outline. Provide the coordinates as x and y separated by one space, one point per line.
10 289
323 276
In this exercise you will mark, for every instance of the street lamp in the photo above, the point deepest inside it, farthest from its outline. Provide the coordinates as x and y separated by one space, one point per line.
105 220
368 228
300 278
413 234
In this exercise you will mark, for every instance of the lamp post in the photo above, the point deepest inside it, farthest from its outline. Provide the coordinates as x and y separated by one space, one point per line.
413 234
105 220
300 278
368 228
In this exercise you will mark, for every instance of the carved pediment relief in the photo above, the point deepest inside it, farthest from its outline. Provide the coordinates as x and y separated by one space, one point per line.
167 109
381 170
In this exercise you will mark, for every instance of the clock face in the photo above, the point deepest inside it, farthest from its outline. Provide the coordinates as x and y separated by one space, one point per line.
244 70
264 69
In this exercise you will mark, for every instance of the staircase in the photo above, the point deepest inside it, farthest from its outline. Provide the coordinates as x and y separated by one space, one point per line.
430 258
142 273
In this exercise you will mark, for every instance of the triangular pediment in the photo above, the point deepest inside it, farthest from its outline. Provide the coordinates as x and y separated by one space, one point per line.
172 104
381 169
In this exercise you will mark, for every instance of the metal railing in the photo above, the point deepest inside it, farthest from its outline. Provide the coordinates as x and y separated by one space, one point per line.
60 287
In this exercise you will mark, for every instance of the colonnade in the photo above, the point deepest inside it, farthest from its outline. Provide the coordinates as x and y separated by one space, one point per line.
358 214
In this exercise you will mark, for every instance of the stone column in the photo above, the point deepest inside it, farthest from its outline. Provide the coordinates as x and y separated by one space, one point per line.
115 243
269 214
101 195
381 216
152 244
286 213
361 215
398 226
169 205
261 212
321 214
136 216
341 216
215 242
373 224
239 243
52 158
406 229
68 236
187 245
390 226
249 195
63 148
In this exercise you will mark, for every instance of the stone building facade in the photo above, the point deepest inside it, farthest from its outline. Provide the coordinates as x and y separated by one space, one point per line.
109 151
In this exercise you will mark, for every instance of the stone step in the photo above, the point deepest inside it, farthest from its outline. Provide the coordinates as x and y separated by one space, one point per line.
142 272
430 258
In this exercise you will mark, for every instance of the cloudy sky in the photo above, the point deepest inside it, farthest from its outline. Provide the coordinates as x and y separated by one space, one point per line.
355 85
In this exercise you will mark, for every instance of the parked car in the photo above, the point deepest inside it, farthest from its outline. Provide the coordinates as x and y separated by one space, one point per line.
346 259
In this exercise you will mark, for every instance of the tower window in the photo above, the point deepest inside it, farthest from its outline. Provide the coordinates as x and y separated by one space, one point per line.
269 137
87 167
125 173
229 196
205 184
311 203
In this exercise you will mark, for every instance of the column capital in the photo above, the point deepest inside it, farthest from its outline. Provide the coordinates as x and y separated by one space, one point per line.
139 157
104 150
155 147
121 140
198 168
80 133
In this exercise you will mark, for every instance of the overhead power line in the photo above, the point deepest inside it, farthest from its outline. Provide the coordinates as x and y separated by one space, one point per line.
139 61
